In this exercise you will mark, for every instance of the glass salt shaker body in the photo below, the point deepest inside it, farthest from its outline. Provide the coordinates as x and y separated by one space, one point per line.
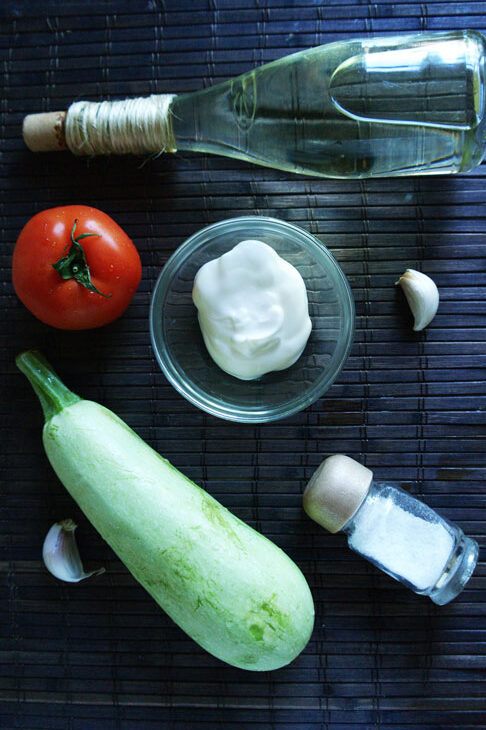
392 529
411 542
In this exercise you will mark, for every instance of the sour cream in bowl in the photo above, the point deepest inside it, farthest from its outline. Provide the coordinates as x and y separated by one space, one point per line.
273 325
252 309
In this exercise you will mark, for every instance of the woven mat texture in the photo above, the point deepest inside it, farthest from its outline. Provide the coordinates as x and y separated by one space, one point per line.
101 655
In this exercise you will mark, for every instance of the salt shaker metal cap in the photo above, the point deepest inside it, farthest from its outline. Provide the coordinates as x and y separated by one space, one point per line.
336 491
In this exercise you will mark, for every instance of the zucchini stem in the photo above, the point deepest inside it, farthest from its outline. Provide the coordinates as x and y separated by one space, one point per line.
54 396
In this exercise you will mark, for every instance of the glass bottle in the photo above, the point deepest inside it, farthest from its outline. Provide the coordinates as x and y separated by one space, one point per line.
393 530
370 107
366 107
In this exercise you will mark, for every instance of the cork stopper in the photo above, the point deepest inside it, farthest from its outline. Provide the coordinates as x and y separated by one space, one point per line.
44 132
336 490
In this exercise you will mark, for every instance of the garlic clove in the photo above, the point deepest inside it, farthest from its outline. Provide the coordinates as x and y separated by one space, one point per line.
61 555
422 297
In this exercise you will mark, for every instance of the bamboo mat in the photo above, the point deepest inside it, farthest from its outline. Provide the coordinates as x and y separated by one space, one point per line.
101 655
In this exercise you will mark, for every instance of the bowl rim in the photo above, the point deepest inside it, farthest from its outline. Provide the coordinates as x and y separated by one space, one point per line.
219 408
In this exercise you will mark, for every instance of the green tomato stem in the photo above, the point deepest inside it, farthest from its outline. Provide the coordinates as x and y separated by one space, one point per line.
54 396
73 264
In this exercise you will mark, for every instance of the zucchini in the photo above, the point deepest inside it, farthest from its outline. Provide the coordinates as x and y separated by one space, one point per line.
232 590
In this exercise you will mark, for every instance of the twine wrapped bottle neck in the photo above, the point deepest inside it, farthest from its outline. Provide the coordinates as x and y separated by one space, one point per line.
130 126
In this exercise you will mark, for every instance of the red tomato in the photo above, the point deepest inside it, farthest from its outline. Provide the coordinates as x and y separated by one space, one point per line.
83 291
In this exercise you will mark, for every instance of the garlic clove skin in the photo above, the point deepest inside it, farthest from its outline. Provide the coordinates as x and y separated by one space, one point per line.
61 555
422 297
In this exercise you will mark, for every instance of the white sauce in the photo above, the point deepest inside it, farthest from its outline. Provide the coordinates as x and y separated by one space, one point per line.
252 309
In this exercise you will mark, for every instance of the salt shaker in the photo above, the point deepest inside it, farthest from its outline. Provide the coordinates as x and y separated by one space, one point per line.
395 531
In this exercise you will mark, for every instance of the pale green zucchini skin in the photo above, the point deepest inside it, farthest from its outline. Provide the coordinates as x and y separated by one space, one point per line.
232 590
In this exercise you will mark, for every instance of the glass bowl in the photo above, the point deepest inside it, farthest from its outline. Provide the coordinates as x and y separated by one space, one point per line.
180 349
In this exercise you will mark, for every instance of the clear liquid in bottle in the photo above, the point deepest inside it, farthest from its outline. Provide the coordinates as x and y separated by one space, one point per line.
353 109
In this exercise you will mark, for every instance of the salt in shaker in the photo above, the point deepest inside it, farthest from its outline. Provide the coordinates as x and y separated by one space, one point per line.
395 531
